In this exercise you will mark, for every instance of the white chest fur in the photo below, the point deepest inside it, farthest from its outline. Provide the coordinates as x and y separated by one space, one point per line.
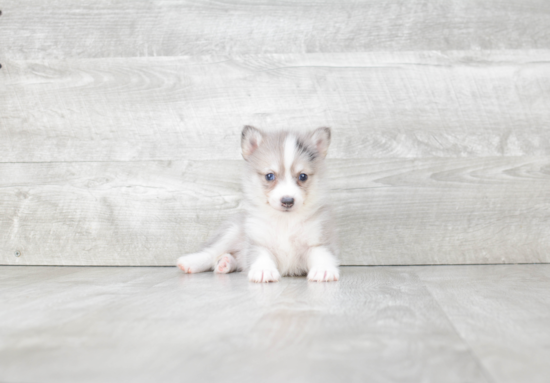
288 238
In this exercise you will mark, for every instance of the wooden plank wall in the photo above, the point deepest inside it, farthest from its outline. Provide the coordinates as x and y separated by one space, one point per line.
120 123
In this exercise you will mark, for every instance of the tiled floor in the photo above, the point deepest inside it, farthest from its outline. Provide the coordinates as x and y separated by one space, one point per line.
378 324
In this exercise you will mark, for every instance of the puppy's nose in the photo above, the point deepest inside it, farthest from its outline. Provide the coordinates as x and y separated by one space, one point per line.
287 201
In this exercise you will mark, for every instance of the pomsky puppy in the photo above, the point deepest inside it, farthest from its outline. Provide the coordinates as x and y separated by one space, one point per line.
286 227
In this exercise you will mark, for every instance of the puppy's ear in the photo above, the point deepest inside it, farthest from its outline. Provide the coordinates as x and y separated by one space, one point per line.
321 139
251 139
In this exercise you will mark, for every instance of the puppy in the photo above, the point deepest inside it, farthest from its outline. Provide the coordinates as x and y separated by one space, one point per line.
285 228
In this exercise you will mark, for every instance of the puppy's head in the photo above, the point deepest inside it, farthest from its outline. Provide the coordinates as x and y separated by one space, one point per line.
284 167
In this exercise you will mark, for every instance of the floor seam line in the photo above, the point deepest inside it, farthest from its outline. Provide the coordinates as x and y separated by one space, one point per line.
485 372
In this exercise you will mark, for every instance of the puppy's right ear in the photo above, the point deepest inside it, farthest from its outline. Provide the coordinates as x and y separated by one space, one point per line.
250 140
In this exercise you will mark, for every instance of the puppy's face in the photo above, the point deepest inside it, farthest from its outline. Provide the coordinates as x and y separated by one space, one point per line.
284 166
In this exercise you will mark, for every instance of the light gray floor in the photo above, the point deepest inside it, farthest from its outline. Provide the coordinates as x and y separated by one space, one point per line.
378 324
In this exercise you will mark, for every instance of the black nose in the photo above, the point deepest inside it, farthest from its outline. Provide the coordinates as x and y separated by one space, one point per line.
287 201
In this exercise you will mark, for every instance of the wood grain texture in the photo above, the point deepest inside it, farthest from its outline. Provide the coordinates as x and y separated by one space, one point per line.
399 211
120 124
158 324
114 213
380 105
33 29
503 313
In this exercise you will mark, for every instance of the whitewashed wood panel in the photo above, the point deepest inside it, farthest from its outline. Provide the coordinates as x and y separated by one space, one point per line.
32 29
380 105
388 211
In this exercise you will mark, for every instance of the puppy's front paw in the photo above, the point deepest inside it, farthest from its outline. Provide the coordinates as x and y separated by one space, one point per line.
323 274
264 276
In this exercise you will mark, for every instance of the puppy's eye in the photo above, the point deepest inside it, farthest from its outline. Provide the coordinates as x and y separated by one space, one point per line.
270 176
303 177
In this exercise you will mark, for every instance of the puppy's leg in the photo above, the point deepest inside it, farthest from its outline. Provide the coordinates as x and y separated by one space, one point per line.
322 265
196 262
263 268
227 240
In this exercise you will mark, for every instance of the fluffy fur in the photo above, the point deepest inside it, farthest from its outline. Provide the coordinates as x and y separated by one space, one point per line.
285 228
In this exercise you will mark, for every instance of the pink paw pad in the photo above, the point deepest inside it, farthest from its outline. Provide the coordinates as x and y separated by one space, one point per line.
185 269
225 265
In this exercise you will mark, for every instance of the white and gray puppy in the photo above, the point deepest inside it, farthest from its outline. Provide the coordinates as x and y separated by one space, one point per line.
286 227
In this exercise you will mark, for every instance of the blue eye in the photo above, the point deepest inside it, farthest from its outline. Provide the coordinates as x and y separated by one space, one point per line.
303 177
270 176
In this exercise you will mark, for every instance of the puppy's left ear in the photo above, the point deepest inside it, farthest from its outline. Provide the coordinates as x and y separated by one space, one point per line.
321 139
251 139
